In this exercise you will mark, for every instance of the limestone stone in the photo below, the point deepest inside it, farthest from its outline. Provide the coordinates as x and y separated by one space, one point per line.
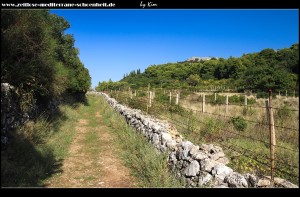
155 139
251 179
264 183
165 137
204 178
236 180
192 169
221 171
207 164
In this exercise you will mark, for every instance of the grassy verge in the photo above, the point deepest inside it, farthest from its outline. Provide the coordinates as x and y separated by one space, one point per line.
146 164
36 149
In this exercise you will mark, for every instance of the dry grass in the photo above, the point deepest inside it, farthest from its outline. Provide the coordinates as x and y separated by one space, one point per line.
248 148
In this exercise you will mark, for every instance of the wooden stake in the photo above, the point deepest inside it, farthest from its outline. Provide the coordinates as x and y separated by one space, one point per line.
226 110
272 134
203 103
150 98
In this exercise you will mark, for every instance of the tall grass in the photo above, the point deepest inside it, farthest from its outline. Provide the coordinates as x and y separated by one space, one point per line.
147 164
36 149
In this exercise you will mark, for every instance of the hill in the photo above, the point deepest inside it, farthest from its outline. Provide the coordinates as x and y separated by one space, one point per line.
269 68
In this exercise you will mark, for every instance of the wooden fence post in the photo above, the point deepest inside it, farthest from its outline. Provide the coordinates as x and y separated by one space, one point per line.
177 99
226 109
150 98
272 134
245 100
215 96
170 97
203 103
135 93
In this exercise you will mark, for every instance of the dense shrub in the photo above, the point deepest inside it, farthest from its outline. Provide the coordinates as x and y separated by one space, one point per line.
239 123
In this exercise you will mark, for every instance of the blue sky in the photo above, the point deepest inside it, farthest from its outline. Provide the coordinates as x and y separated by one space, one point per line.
115 42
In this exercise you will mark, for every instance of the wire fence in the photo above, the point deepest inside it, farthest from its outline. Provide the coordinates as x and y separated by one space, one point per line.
261 154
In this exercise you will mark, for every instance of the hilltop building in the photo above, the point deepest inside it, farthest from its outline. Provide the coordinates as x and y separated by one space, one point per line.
197 59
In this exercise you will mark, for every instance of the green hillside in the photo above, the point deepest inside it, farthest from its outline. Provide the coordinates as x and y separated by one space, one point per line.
260 71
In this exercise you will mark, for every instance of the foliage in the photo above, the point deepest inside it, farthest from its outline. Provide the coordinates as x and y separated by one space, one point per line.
239 123
264 95
284 113
248 111
176 109
38 58
193 79
268 69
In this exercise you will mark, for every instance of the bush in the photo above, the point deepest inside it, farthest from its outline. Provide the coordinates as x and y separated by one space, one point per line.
248 111
141 94
284 112
264 95
236 99
239 123
163 98
176 109
210 127
36 131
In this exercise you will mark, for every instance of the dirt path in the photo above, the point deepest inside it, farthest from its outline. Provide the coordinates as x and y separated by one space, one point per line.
93 159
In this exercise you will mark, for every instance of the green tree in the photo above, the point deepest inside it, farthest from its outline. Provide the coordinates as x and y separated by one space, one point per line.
193 80
38 58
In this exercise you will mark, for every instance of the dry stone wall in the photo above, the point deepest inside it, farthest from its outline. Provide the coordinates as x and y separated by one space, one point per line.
10 113
12 116
199 165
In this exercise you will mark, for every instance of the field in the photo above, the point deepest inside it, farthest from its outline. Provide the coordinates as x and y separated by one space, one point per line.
243 131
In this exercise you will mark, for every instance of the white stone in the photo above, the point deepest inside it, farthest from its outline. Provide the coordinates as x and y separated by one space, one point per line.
204 178
207 164
171 144
284 183
192 169
165 137
236 180
217 155
194 150
221 171
199 155
264 183
155 139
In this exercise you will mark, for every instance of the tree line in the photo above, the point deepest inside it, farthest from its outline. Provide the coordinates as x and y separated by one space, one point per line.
38 58
268 69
